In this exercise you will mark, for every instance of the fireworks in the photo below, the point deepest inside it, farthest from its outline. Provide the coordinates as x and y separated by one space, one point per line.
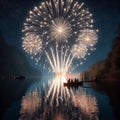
79 50
88 37
58 20
32 44
60 63
60 30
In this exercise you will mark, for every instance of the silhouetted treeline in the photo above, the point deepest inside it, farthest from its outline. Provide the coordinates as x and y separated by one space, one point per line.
114 55
107 72
110 66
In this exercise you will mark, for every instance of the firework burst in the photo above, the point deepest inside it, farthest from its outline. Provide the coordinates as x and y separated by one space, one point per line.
32 44
60 29
88 37
56 19
64 22
79 50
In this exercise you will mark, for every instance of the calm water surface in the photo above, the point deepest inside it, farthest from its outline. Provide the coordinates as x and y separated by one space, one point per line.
83 103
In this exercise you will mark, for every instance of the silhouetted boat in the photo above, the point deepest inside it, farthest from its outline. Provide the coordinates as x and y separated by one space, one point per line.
78 83
74 84
21 77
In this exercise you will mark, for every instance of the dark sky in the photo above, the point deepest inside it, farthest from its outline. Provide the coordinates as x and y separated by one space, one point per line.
106 15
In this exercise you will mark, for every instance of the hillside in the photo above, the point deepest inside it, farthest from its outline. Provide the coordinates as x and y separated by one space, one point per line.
12 62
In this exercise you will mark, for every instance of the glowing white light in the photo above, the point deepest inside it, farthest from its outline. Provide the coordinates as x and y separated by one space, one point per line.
60 63
79 50
60 29
88 37
32 44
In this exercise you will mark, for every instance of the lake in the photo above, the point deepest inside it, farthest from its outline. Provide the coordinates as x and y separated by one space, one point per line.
45 100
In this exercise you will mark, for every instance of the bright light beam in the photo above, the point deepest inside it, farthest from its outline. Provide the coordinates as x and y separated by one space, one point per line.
60 64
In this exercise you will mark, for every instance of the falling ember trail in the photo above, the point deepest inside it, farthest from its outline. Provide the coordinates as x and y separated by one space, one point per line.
60 63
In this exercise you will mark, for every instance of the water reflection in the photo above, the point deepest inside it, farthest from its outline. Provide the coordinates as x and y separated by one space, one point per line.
80 106
87 104
30 103
57 91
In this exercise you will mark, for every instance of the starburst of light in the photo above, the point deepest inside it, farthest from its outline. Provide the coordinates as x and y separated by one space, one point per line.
32 44
88 37
60 29
79 50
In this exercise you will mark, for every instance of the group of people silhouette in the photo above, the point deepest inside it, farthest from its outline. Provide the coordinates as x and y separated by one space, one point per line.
73 81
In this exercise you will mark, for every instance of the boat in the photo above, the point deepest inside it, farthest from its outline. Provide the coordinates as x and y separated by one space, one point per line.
80 83
21 77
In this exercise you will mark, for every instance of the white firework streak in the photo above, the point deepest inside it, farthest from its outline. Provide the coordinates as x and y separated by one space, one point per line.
60 64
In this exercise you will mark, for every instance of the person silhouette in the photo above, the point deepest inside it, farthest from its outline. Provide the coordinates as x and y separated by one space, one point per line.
68 81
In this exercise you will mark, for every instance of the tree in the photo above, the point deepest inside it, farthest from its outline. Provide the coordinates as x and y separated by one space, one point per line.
114 56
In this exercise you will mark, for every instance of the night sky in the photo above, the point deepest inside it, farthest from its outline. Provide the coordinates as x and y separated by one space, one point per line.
106 14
